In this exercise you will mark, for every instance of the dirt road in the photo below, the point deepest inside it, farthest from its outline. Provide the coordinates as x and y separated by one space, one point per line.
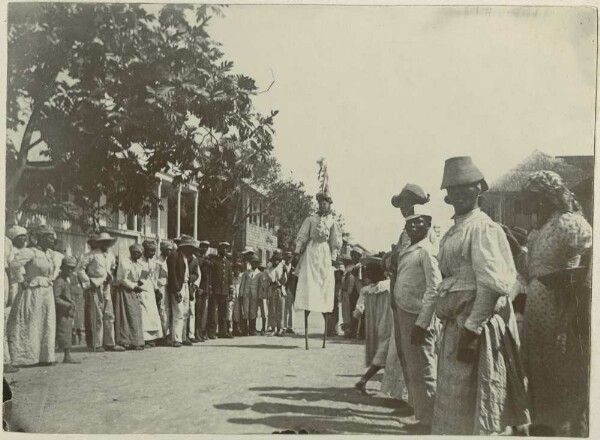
254 385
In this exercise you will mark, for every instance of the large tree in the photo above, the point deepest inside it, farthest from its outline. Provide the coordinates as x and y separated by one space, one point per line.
114 94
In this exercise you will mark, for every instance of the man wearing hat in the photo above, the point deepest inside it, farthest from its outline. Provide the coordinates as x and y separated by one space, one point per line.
203 291
65 308
249 297
247 255
413 305
95 273
178 288
351 285
162 298
276 277
195 280
221 278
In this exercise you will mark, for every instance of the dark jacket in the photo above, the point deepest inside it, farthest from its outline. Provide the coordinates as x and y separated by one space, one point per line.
194 271
176 272
221 276
205 269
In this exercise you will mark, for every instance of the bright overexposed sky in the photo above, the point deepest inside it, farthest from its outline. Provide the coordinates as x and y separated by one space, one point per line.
386 94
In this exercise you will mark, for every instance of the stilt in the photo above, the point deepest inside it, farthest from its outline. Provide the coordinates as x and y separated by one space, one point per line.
306 313
325 330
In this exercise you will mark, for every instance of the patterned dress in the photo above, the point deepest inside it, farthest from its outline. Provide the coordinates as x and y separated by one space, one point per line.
31 326
555 367
319 240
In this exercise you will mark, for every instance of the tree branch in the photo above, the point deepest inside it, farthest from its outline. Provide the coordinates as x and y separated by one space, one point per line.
271 85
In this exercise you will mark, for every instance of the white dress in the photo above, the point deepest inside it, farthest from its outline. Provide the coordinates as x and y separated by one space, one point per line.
150 317
319 240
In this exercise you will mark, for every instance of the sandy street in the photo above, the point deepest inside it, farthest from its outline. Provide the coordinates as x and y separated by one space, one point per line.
254 385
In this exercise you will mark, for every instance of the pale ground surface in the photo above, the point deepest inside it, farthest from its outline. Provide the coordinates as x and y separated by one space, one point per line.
254 385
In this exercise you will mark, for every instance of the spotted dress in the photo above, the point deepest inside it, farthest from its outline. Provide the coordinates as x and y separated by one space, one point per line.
555 364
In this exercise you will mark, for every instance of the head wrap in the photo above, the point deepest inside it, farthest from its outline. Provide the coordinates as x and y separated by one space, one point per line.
15 231
149 244
136 247
69 261
164 245
551 186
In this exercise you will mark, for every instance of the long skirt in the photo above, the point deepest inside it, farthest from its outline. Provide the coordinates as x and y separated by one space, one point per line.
486 396
378 328
316 281
151 323
558 373
164 311
393 383
31 327
128 318
64 330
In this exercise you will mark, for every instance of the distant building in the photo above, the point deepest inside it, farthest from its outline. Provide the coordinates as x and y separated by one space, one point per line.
503 201
128 229
257 230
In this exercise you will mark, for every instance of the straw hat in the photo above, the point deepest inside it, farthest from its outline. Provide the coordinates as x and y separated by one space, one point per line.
462 171
187 241
224 244
105 236
248 250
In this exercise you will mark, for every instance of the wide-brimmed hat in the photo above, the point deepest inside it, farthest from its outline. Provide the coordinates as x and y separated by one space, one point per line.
187 241
204 243
411 193
370 260
224 244
248 250
462 171
106 237
419 211
69 261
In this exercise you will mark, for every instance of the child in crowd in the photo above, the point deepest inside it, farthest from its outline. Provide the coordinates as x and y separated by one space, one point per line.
65 308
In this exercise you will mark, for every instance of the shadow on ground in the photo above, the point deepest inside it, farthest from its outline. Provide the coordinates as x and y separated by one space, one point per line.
325 419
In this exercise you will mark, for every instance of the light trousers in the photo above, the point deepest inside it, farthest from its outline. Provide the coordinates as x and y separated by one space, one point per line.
99 317
179 312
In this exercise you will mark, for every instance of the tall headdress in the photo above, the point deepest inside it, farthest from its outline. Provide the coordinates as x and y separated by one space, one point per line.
324 192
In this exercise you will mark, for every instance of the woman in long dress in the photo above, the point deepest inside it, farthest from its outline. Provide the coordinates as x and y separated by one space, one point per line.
481 385
557 363
151 323
318 244
127 301
31 326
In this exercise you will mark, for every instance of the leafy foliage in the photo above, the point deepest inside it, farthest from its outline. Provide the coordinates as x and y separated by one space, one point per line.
114 94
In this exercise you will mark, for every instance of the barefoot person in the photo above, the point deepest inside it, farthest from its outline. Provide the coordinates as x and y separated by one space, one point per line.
65 308
374 303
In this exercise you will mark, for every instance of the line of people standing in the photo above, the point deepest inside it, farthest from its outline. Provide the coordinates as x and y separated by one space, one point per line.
179 297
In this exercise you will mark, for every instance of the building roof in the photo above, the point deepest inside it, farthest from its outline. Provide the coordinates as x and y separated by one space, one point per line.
573 170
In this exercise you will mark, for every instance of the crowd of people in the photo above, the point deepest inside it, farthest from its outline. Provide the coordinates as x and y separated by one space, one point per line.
485 332
178 296
490 325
